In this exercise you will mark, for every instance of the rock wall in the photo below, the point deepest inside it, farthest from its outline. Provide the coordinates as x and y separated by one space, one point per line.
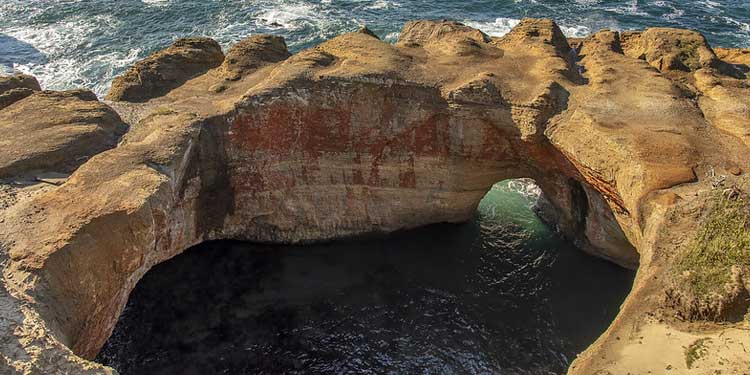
358 136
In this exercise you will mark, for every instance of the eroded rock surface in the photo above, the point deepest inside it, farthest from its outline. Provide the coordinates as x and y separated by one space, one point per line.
55 131
166 70
253 53
358 136
16 87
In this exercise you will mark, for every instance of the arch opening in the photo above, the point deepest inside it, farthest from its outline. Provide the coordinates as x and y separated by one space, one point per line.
501 291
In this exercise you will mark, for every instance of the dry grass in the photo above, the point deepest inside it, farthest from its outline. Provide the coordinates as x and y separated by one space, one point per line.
696 351
722 241
689 54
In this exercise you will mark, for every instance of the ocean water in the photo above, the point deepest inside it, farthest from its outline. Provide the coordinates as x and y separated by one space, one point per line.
86 43
501 294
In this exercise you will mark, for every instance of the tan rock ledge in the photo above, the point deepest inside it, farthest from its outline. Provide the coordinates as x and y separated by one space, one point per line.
640 142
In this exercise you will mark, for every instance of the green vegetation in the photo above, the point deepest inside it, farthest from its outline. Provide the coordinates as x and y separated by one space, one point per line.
162 111
696 351
722 242
689 53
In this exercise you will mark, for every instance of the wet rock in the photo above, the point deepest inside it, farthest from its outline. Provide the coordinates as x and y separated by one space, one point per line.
367 31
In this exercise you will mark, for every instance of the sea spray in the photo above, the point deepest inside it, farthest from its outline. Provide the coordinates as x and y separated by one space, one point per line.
87 43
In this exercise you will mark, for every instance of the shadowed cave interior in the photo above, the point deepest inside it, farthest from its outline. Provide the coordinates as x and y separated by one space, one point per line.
502 293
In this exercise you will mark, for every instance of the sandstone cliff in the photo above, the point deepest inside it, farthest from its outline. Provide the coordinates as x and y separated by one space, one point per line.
629 136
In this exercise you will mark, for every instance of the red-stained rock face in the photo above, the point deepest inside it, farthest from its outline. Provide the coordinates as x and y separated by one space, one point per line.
359 142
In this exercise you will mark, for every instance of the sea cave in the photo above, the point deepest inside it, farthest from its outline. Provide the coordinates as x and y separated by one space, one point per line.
501 293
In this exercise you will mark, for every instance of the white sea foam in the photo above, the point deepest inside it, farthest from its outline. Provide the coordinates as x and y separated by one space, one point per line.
382 4
391 37
712 4
503 25
156 2
526 187
62 67
84 50
499 27
291 16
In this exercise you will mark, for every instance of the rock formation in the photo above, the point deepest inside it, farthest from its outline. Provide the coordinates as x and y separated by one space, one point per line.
55 131
15 88
166 70
252 53
628 138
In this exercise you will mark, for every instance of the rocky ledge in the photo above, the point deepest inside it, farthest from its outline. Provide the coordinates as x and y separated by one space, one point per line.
639 140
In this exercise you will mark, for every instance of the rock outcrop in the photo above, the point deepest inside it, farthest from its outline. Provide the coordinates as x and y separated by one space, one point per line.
55 132
670 49
739 57
166 70
358 136
252 53
16 87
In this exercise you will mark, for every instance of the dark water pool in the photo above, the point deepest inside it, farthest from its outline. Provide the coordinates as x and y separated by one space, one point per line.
501 294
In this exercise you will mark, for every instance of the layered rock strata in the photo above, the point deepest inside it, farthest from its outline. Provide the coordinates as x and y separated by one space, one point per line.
626 135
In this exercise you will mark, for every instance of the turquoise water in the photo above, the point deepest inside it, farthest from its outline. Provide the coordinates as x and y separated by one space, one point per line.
501 294
85 43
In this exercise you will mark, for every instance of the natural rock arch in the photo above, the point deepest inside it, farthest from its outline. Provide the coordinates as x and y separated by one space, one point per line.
358 136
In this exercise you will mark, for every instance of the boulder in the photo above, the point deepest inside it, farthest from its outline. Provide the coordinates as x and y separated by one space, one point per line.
55 131
449 37
165 70
252 53
669 49
738 57
16 87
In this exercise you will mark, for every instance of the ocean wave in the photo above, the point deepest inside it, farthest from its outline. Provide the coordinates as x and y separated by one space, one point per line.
89 46
382 4
526 187
503 25
63 44
292 16
499 27
156 2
